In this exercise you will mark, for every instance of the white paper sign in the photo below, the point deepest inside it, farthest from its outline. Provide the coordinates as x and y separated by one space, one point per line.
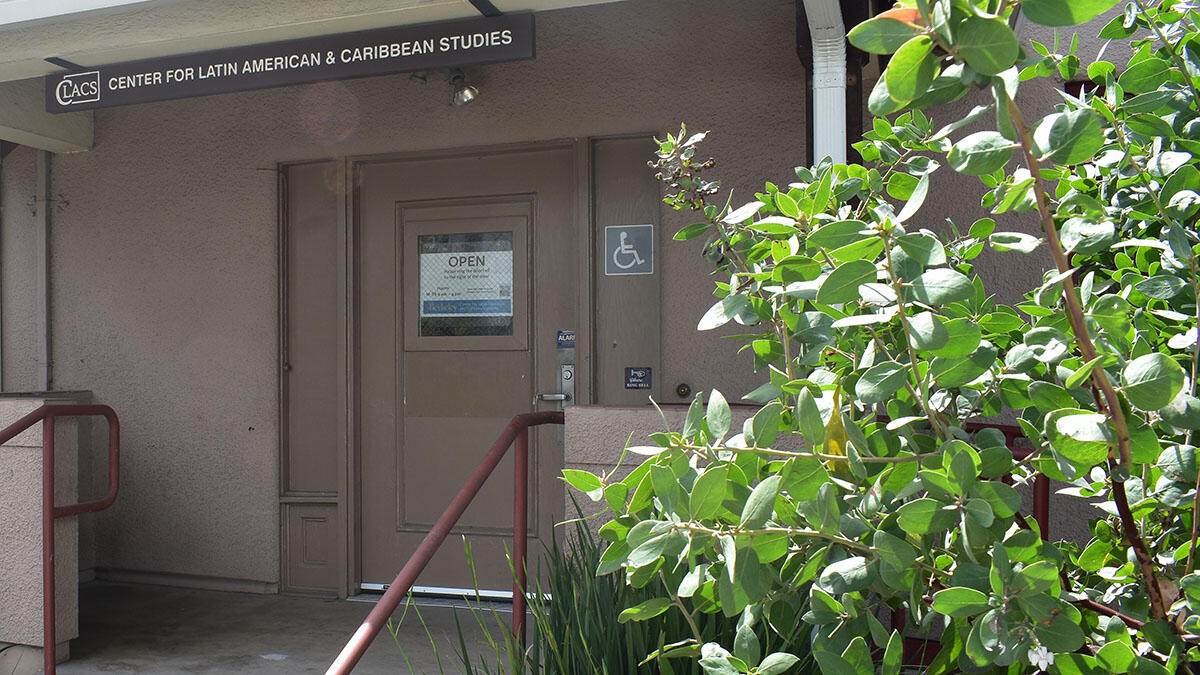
467 283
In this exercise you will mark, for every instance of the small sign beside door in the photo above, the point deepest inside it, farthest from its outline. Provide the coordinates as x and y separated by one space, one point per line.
628 249
638 377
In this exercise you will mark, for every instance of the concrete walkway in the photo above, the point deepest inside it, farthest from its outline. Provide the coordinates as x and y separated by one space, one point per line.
155 629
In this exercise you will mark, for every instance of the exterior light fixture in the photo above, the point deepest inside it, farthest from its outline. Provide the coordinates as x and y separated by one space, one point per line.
464 93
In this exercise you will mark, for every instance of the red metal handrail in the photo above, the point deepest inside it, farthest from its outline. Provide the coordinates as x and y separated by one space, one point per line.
517 430
46 414
1041 484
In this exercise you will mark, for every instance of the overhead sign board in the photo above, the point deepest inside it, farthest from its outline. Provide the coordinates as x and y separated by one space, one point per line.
375 52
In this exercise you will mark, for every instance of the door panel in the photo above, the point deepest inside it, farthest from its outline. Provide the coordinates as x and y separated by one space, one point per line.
445 361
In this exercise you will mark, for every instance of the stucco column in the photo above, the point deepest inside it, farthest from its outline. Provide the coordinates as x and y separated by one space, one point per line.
21 535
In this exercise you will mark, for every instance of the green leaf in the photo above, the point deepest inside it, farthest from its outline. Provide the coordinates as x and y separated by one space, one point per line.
941 286
832 664
880 382
1145 75
644 611
1061 636
743 213
911 69
811 426
1164 164
760 504
1161 286
841 286
964 337
777 663
584 481
803 477
691 231
1068 137
1077 664
959 371
1085 371
654 541
1183 411
1152 381
1064 12
695 413
718 415
927 331
893 655
895 554
1079 235
989 46
915 200
727 309
1004 499
745 643
1095 555
846 576
764 426
858 656
1014 241
1112 313
980 153
924 248
837 234
787 206
1117 656
925 516
960 602
881 35
1081 436
881 103
708 493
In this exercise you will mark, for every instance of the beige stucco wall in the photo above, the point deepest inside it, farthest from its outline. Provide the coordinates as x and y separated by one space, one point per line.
164 285
21 367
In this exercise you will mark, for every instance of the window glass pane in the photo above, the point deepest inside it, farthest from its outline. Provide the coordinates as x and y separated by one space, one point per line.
466 283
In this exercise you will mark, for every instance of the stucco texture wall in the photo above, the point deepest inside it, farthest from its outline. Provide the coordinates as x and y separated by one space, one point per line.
164 281
21 366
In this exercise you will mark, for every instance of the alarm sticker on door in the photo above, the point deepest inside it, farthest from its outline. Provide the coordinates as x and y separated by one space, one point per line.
638 377
628 249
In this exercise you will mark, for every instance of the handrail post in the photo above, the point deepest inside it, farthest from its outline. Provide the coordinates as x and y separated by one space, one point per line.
49 638
1041 504
520 531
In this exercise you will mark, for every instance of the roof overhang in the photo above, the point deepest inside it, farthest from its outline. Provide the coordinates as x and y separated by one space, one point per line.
98 32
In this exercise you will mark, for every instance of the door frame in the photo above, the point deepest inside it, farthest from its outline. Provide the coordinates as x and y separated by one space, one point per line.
348 181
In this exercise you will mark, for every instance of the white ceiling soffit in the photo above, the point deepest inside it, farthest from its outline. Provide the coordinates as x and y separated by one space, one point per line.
23 11
98 32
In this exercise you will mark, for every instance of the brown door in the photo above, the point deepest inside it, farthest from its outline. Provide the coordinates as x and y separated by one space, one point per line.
466 274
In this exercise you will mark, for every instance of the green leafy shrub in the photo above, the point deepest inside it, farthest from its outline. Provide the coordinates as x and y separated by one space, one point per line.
881 345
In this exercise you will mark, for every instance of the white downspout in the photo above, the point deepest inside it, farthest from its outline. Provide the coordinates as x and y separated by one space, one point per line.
828 96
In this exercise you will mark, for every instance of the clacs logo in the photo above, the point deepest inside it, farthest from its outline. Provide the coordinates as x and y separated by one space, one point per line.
78 88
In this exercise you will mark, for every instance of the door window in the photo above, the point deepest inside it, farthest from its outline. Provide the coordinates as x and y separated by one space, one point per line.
466 283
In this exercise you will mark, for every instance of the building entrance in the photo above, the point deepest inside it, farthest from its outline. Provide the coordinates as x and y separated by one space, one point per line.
465 276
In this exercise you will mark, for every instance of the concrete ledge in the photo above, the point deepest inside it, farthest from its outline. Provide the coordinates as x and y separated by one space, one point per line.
21 588
187 581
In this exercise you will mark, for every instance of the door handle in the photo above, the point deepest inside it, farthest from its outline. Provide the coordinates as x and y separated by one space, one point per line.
554 397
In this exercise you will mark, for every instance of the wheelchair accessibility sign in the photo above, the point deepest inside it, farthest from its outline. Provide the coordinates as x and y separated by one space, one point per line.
628 249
